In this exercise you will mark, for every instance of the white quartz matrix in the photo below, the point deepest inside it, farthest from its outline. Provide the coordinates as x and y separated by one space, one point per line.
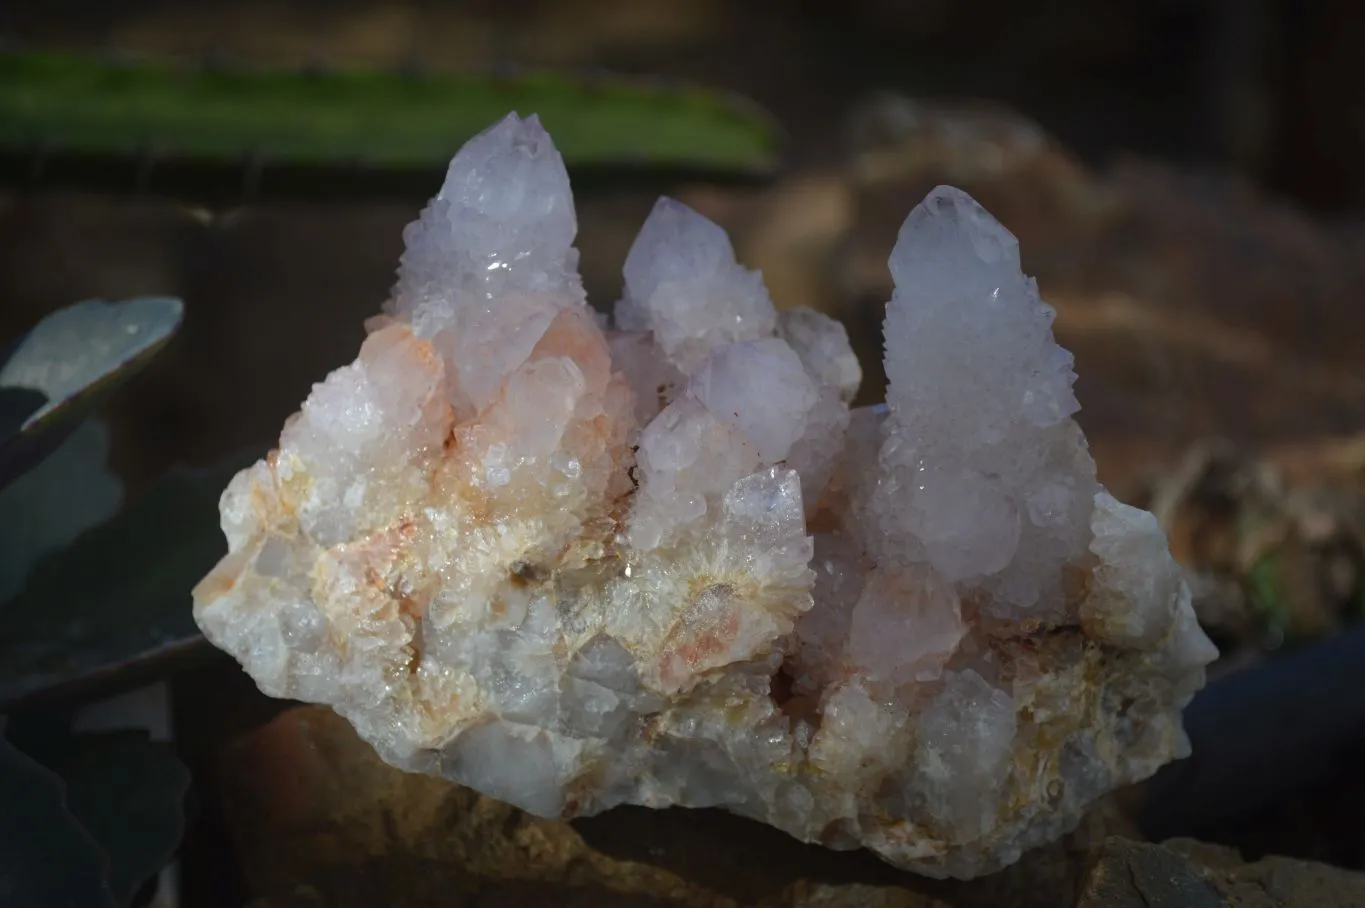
574 562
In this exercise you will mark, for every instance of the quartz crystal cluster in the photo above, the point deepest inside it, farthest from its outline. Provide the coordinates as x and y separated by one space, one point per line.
574 561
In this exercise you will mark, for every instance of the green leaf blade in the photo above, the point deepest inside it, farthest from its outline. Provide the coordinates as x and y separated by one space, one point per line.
67 103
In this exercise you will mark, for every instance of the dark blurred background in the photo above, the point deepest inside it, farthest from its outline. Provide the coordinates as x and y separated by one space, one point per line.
1183 175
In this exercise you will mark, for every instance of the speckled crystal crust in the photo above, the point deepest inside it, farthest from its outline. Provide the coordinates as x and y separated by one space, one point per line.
659 561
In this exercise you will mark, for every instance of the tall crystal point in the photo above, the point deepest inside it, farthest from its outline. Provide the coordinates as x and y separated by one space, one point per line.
662 562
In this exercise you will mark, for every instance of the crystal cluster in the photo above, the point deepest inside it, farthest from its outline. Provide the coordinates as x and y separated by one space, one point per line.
575 562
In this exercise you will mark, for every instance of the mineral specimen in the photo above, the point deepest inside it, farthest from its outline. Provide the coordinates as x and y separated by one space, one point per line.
575 564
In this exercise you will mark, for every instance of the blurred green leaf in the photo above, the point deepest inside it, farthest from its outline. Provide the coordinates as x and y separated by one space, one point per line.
1267 595
47 858
118 600
74 357
67 103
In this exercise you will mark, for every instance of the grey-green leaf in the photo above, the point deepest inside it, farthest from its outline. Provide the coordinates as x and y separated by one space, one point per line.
126 790
47 508
46 857
118 600
73 357
74 350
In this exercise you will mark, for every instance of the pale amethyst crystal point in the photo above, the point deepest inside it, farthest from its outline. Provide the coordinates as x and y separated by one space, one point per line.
665 564
684 285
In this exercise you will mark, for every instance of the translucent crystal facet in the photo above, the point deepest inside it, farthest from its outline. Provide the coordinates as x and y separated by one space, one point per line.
664 563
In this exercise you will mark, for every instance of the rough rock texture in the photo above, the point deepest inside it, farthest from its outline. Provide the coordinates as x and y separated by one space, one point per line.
316 818
662 563
1183 873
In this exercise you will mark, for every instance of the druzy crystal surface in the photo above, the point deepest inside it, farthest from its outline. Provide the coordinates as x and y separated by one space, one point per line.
575 562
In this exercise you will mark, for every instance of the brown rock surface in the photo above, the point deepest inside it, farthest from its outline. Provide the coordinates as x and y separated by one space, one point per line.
1276 543
318 819
1186 874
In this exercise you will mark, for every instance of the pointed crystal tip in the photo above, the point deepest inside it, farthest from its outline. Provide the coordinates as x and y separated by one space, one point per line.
685 285
948 239
675 244
512 172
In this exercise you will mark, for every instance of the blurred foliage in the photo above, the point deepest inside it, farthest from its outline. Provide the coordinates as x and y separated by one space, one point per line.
47 857
65 495
1267 595
88 819
117 602
73 358
126 790
54 105
17 407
